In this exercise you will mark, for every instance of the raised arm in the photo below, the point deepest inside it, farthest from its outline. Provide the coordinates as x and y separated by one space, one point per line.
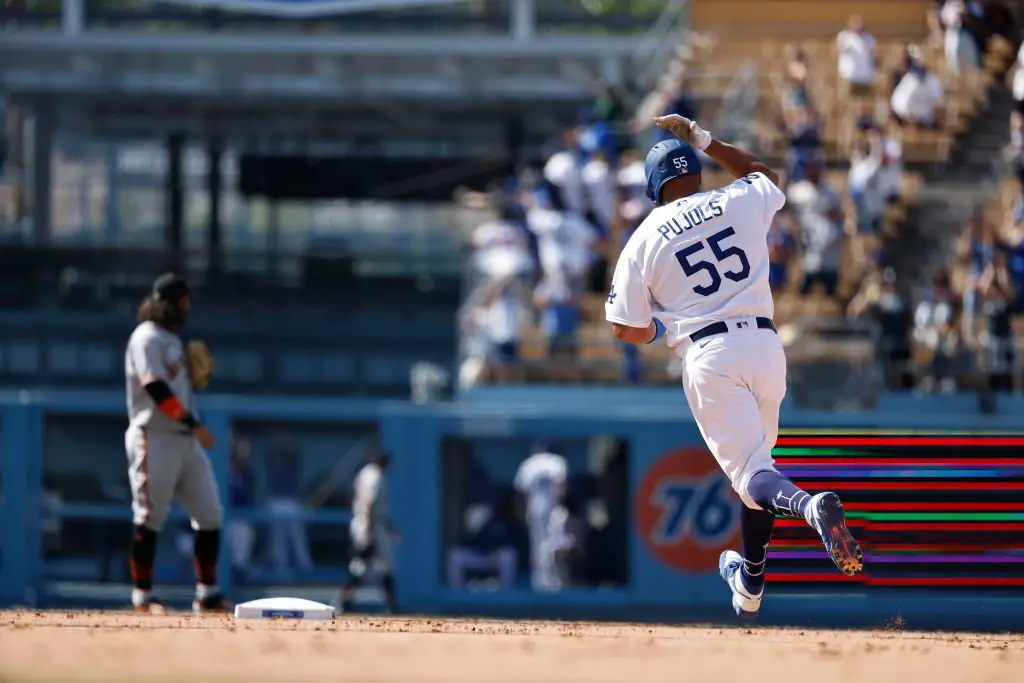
736 160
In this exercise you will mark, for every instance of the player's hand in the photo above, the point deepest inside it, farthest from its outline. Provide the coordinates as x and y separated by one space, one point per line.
680 126
204 436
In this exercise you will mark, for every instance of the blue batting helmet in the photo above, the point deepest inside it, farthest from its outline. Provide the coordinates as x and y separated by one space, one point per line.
667 160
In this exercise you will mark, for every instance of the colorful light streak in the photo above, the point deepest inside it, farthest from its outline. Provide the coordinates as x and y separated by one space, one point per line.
930 510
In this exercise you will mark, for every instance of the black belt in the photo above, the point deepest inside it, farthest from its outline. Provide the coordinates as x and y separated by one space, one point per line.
722 327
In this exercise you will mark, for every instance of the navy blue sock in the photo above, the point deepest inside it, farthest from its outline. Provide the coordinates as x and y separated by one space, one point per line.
778 495
757 528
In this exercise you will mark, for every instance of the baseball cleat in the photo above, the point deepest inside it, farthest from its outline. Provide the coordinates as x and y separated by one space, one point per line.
154 607
829 520
214 604
746 602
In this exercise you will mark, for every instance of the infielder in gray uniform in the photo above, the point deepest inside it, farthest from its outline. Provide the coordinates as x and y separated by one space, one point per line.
372 532
166 445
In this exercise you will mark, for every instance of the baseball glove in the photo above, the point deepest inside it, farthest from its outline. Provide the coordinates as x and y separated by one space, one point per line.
200 363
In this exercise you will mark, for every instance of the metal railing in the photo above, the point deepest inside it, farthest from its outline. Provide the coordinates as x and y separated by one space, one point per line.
737 113
655 51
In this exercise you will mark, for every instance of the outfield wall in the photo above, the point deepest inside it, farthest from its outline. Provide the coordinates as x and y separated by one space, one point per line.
940 519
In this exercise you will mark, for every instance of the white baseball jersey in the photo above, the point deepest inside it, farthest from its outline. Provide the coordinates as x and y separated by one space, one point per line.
699 260
369 506
537 478
155 353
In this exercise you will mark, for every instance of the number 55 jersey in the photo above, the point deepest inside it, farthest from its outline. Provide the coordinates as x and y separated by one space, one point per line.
698 260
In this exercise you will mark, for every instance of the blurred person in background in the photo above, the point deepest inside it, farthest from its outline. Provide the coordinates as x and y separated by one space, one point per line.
565 240
634 205
557 297
1014 236
783 248
242 493
962 23
917 94
819 216
373 534
796 89
976 250
1000 21
492 322
502 245
600 182
682 102
936 32
486 547
564 170
856 47
803 135
881 300
997 340
936 331
873 181
908 60
542 480
289 546
1013 153
563 550
608 107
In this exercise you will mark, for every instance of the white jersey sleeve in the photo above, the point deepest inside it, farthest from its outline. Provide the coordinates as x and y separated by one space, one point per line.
771 196
148 355
629 299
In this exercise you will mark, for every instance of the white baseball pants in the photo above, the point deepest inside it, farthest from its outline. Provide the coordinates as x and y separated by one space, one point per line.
735 383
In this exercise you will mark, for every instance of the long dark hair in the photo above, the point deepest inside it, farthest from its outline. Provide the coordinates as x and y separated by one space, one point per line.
166 314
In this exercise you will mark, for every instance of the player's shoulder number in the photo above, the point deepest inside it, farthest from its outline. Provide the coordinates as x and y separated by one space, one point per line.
749 178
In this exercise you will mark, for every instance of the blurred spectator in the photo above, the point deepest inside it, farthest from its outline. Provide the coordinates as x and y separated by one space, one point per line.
997 340
805 144
1014 236
634 206
976 250
565 240
1000 22
608 107
961 21
564 171
564 548
819 216
492 321
936 333
874 181
1016 79
782 248
880 299
917 94
542 479
856 47
936 32
599 181
242 492
486 548
502 246
796 94
558 299
683 103
288 540
910 58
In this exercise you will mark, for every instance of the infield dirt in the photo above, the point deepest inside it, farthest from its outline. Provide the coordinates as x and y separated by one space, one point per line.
66 647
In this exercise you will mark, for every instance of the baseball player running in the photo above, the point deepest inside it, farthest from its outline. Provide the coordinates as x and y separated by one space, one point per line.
165 442
372 531
696 273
